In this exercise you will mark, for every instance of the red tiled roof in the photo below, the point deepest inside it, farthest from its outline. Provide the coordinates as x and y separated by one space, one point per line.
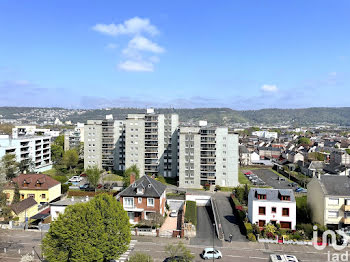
32 181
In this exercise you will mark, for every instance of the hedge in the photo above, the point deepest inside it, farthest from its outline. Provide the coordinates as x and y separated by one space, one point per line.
191 212
79 193
248 228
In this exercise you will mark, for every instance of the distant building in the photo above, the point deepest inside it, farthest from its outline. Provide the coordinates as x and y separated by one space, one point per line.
207 156
24 209
265 134
58 207
34 150
31 130
272 206
73 138
340 157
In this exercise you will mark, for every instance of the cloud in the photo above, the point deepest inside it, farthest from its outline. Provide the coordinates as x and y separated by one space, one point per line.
136 66
133 26
111 46
269 88
143 44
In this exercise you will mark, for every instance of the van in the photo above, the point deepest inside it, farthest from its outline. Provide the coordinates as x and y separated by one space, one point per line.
283 258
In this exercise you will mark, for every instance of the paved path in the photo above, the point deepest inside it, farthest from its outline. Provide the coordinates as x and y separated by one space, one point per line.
228 219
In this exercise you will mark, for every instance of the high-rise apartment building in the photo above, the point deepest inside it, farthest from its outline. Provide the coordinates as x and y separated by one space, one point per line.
207 156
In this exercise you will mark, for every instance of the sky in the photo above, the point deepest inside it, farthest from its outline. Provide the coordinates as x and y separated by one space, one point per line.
238 54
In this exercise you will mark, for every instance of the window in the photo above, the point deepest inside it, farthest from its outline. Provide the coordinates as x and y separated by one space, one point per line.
150 202
273 210
287 225
139 200
261 196
333 214
285 212
43 196
128 202
334 201
31 195
262 210
7 195
262 223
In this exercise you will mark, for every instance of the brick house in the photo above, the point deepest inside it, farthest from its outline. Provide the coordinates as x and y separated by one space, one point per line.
143 197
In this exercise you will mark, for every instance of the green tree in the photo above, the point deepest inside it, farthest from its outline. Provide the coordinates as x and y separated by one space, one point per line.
9 166
16 194
304 141
70 158
347 151
179 250
93 175
57 149
26 166
94 231
140 257
131 170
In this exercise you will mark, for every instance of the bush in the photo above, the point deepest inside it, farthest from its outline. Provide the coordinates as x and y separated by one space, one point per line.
161 179
307 229
61 179
249 228
191 212
64 188
251 237
218 188
140 257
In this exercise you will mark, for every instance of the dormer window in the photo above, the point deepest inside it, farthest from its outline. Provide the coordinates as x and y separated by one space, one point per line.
25 183
261 196
139 190
149 185
38 184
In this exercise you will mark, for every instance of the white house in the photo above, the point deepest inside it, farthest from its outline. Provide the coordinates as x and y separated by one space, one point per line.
265 134
275 206
254 157
57 208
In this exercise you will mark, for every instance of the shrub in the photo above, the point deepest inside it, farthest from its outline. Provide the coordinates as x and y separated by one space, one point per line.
161 179
249 228
191 212
251 237
218 188
140 257
256 229
307 229
64 188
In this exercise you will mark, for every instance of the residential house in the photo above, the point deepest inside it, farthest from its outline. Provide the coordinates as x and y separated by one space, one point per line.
41 187
328 196
334 169
340 157
25 209
294 157
254 157
275 206
244 156
269 152
58 207
142 198
312 168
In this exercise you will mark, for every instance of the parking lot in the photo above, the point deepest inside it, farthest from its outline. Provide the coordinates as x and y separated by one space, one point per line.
271 179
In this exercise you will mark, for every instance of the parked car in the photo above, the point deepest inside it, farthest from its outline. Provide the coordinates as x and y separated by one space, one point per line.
106 186
173 213
292 184
85 186
174 259
210 253
301 190
83 175
75 179
99 186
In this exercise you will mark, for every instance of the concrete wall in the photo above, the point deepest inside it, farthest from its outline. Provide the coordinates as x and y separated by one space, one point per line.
201 200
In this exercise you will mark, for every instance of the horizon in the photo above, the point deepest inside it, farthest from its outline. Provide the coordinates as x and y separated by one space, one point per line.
241 55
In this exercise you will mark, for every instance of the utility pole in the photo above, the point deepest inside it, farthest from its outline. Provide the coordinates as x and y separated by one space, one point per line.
213 239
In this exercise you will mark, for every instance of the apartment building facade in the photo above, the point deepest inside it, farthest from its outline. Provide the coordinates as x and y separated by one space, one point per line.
272 206
32 150
328 196
207 156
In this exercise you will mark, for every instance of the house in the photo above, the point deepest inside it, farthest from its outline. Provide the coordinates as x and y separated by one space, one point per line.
25 209
328 197
269 152
142 198
312 168
340 157
275 206
254 157
334 169
58 207
42 188
294 157
244 156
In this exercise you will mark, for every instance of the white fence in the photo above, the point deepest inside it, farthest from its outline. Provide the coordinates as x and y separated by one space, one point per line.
201 200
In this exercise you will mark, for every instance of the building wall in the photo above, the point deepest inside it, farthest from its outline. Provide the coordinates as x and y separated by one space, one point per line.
316 201
158 206
93 144
119 156
55 211
27 213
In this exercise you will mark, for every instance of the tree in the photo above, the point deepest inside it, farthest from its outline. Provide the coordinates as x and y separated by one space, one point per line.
26 165
70 158
304 141
93 175
140 257
94 231
246 193
57 149
9 166
131 170
16 194
179 250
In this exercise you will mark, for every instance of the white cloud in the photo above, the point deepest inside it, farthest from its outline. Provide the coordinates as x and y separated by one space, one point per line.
111 46
132 26
143 44
269 88
136 66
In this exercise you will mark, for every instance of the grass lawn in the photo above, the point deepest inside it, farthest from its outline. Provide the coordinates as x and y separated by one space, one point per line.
51 172
242 179
112 177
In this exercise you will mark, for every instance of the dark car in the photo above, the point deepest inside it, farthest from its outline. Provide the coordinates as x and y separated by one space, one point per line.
106 186
83 175
175 259
85 186
99 186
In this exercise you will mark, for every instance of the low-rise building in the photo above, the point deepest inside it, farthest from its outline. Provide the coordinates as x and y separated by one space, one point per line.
24 209
328 196
142 198
272 206
58 207
42 188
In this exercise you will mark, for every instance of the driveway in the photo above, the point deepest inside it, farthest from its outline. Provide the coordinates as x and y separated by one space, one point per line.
228 219
205 232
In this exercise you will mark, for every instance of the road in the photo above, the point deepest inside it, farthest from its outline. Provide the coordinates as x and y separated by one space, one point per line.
227 218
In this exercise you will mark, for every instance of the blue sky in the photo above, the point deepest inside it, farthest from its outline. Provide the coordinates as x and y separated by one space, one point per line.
236 54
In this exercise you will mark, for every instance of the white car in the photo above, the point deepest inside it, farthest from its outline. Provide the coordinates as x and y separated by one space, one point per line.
173 213
75 179
210 253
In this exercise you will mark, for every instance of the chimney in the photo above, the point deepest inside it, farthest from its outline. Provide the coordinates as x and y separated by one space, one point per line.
132 178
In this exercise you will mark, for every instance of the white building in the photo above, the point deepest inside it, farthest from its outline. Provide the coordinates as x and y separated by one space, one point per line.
57 208
35 149
265 134
275 206
32 130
